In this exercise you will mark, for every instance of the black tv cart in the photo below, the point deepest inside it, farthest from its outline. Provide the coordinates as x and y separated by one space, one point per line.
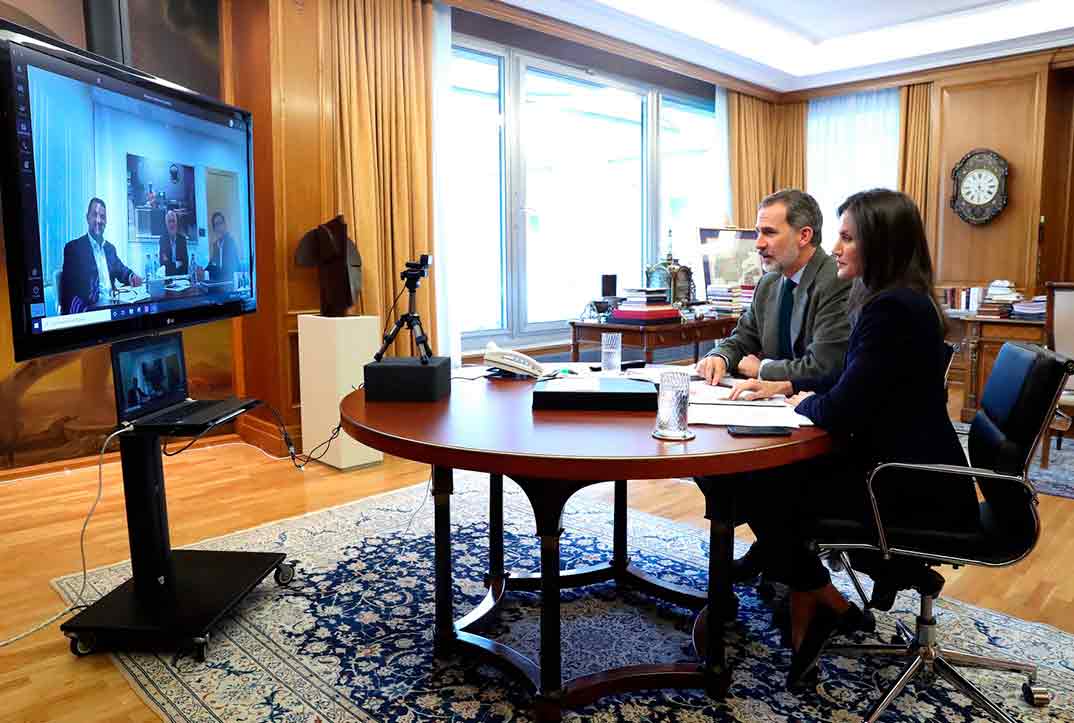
174 596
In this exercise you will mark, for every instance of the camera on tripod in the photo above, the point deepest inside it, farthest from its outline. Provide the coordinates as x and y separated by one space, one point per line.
426 378
417 269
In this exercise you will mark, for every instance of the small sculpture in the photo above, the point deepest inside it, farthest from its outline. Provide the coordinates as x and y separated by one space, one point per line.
339 266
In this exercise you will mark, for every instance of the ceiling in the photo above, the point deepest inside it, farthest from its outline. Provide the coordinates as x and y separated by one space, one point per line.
791 45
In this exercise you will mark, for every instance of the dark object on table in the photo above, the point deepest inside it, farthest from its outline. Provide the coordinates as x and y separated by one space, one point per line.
339 266
407 379
620 394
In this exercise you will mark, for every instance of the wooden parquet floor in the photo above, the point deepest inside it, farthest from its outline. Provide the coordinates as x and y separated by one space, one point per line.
217 490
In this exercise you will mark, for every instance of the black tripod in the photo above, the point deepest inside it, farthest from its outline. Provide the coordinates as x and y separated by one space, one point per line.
412 275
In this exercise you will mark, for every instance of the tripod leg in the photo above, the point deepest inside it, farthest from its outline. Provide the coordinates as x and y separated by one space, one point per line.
420 340
390 337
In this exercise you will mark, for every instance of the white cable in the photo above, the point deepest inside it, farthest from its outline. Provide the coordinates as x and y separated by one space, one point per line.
81 545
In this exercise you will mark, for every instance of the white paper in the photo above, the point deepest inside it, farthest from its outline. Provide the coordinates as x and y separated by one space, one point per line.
744 415
470 372
652 372
705 393
574 383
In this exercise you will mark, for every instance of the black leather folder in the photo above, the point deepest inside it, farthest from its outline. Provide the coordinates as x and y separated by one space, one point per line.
606 393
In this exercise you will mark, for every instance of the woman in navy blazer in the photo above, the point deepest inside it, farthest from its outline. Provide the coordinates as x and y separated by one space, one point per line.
887 405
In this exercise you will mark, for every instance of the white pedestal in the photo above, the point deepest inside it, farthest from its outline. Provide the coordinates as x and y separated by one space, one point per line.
332 352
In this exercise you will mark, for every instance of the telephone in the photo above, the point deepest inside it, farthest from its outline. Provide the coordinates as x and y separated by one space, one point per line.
512 361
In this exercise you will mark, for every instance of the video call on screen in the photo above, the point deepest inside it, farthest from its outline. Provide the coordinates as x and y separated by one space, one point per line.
140 206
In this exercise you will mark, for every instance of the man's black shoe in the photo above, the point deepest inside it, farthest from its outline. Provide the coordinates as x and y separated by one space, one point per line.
749 566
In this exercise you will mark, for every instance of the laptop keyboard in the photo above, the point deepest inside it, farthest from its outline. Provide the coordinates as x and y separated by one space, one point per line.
197 412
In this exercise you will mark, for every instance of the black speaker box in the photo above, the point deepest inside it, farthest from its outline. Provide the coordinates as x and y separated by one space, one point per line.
607 285
406 379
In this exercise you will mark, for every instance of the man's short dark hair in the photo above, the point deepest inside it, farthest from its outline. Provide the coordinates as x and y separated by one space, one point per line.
212 219
802 210
94 200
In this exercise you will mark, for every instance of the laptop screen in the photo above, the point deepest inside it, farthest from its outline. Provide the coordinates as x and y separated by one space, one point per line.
149 374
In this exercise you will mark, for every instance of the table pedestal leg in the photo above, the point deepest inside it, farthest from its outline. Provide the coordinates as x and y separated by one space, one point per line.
495 529
720 512
444 632
620 560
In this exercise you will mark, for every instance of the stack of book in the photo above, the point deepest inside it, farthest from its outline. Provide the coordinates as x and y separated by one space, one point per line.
726 298
1000 296
646 306
1032 310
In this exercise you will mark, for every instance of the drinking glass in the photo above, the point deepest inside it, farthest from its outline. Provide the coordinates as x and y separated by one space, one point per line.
611 352
672 404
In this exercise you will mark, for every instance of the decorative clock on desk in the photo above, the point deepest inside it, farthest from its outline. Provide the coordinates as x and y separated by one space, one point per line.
980 186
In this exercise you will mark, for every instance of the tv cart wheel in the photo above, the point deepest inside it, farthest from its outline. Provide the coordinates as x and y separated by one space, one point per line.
1036 695
201 646
285 573
83 645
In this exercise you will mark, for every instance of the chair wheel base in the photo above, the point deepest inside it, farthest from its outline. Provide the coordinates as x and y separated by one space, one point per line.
1036 695
868 621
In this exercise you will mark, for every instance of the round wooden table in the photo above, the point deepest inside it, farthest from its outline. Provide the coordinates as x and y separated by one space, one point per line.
489 425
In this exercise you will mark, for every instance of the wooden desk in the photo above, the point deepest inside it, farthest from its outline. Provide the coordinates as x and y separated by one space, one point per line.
984 337
648 338
490 426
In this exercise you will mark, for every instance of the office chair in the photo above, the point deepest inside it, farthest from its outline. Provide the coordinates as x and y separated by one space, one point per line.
1017 404
1059 332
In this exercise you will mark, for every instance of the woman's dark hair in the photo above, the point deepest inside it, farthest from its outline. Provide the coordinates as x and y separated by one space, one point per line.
892 247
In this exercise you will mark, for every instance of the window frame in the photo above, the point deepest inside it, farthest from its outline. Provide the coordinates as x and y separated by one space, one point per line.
518 331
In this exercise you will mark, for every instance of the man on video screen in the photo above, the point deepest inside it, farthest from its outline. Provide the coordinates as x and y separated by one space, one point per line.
91 266
173 253
223 251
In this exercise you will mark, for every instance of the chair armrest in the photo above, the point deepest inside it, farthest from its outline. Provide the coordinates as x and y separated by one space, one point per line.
973 472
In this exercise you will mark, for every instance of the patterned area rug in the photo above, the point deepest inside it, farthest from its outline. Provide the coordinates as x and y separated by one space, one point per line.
350 639
1057 480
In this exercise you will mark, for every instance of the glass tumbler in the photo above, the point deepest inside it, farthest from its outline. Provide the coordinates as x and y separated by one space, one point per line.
672 404
611 352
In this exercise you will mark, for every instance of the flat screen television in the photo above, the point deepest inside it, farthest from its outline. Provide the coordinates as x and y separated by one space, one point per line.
128 201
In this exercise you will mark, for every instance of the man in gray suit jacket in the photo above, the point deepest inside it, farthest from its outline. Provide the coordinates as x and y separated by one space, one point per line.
797 326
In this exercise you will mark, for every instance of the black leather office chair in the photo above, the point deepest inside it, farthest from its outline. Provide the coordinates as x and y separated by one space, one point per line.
1018 401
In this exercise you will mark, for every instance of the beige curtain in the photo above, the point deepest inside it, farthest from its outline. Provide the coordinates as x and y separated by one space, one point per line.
915 107
768 151
384 97
750 129
789 145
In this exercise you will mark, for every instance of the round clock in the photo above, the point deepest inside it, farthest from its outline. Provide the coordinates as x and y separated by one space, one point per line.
979 182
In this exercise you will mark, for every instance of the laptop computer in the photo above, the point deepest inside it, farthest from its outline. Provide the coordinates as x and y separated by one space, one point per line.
152 393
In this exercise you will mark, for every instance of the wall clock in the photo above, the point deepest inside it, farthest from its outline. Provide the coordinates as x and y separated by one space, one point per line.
979 183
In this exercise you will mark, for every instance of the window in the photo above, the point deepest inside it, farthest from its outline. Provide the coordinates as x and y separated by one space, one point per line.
476 205
558 175
695 174
852 145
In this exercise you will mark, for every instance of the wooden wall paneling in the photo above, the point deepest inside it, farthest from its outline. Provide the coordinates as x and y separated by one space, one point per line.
1002 107
1056 189
281 72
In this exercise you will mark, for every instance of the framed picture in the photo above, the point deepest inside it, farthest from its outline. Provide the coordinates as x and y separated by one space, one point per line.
728 256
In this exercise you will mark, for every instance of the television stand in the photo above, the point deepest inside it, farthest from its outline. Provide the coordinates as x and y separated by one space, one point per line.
174 597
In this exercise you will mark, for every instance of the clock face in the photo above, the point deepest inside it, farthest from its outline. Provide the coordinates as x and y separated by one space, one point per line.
979 186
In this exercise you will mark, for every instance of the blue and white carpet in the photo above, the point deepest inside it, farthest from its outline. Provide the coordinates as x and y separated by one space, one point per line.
350 639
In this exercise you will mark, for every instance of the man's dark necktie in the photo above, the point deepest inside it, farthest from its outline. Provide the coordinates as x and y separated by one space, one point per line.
786 305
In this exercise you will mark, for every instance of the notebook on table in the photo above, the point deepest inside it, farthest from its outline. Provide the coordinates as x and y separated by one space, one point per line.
152 391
